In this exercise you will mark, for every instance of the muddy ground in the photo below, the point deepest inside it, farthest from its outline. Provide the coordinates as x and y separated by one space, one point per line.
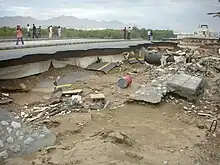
123 134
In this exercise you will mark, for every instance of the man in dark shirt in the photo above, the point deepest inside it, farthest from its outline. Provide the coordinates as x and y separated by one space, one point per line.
34 31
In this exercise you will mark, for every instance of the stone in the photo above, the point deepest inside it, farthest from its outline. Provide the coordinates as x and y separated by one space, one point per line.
218 117
15 125
10 140
15 148
9 130
165 162
41 136
96 106
19 133
23 86
1 143
35 134
4 154
134 155
56 97
4 123
28 141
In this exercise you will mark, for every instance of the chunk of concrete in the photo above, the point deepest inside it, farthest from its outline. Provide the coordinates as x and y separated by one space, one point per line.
152 93
185 85
99 96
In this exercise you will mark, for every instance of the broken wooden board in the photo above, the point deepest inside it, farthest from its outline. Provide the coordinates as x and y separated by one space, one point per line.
102 66
135 60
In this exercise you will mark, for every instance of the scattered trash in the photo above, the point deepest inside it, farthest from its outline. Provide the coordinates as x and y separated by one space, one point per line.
213 126
125 81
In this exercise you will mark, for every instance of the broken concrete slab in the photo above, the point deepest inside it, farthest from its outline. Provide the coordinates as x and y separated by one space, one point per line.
72 78
152 93
185 85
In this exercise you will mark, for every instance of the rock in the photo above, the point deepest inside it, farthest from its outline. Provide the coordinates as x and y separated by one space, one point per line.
201 125
96 106
4 154
15 125
56 97
1 143
15 148
218 117
41 136
19 133
28 141
5 94
5 100
165 162
4 123
10 140
134 155
23 86
76 99
9 130
121 138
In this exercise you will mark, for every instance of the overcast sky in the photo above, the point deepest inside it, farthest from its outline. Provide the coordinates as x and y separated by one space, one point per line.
180 15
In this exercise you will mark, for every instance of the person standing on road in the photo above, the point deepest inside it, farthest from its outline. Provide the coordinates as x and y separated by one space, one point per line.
50 31
28 31
129 33
19 35
149 34
125 32
59 31
39 32
34 31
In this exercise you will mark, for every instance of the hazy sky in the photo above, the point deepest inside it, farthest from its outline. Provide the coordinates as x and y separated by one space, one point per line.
180 15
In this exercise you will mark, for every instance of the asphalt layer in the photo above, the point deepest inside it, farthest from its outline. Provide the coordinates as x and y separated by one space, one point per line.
45 43
17 53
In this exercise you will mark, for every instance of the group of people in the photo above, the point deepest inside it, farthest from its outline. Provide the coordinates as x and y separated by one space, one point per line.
50 30
36 32
127 33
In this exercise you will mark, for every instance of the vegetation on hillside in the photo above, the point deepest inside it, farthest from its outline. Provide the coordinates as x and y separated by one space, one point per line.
6 32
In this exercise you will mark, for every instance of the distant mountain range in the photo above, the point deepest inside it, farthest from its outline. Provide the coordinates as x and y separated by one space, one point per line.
63 21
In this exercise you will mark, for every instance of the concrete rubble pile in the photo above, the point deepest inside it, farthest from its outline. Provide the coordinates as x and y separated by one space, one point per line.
194 78
63 102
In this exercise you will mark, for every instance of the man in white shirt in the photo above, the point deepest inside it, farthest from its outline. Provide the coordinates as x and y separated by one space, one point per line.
59 31
129 33
50 32
28 31
149 35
